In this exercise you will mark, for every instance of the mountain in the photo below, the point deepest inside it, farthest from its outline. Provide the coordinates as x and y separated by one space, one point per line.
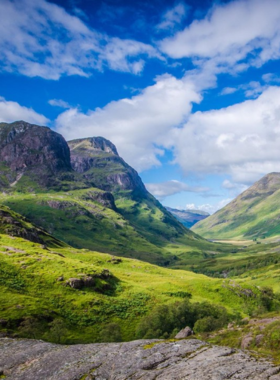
32 157
188 217
253 214
85 194
99 162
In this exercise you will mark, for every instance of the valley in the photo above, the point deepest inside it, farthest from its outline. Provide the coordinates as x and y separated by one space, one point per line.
88 255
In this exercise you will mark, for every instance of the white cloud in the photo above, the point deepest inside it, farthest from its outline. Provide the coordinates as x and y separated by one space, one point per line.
173 16
228 90
140 126
59 103
241 140
210 208
228 34
12 111
228 184
271 78
234 188
251 89
116 52
38 38
165 189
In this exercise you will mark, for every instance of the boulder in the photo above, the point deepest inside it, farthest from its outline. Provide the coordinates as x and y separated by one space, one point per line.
246 341
89 282
259 339
75 283
184 333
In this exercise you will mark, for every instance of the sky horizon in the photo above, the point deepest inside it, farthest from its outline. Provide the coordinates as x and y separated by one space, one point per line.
188 91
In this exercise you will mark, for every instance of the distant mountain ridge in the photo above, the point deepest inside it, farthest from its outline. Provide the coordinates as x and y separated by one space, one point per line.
188 217
253 214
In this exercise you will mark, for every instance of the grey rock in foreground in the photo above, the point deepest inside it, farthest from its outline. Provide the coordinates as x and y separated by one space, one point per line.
184 333
143 359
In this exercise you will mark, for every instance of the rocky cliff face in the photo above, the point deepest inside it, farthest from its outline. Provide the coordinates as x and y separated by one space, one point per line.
98 161
23 145
146 359
27 147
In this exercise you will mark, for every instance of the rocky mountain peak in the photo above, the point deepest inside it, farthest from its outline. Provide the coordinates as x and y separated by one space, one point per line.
93 146
29 148
24 145
99 162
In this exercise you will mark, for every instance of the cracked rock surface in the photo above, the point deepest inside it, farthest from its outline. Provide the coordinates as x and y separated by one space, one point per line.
23 359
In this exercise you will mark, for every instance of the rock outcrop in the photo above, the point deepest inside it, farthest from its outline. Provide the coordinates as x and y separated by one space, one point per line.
144 359
23 144
32 156
99 162
184 333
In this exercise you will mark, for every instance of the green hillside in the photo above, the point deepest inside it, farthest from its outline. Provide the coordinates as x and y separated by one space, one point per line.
254 214
80 219
36 289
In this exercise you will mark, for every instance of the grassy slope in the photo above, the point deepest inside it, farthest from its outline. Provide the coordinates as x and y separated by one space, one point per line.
14 224
82 222
76 219
29 287
253 214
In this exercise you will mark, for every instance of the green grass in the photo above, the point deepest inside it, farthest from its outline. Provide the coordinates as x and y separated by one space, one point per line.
76 218
138 228
29 288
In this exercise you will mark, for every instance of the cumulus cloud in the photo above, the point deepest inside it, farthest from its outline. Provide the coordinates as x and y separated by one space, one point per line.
141 126
165 189
228 34
39 38
241 140
11 111
210 208
173 16
59 103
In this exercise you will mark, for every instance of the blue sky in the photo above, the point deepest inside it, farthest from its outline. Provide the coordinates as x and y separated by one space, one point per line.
189 91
